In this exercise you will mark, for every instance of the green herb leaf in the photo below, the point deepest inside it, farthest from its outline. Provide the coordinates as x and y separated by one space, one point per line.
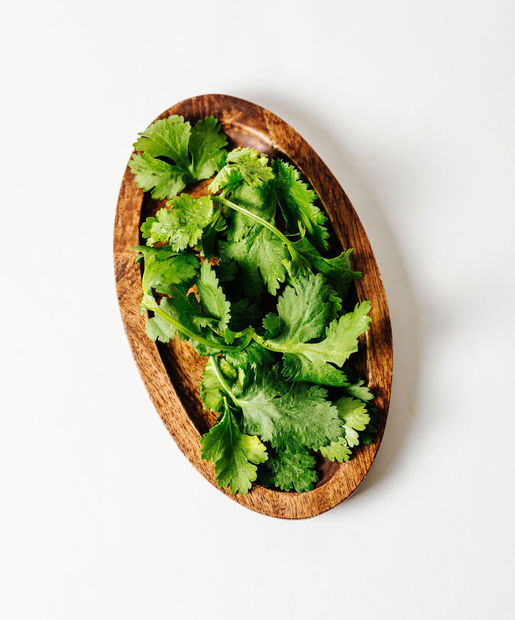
159 329
359 390
258 200
303 309
182 226
312 361
212 296
211 390
169 138
283 415
244 313
293 469
234 454
369 435
297 203
187 319
164 179
207 147
209 236
337 451
355 418
338 270
242 165
164 165
260 256
165 268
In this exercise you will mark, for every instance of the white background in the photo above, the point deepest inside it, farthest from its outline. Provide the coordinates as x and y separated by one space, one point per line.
411 104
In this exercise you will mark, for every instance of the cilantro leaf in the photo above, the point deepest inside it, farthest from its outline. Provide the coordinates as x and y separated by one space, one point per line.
252 357
187 318
167 137
297 203
337 451
206 146
234 454
293 469
282 416
273 325
359 390
303 310
164 179
369 435
164 268
176 141
211 390
183 306
226 270
244 313
209 236
159 329
338 270
311 361
257 200
182 226
212 296
260 255
355 418
242 165
335 306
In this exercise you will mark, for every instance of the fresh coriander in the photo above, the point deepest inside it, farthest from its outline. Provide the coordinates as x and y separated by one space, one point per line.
212 265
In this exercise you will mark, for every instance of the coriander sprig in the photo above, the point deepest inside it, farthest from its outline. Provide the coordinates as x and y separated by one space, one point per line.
259 301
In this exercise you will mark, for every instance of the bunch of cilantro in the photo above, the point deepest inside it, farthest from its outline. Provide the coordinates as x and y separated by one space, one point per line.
241 275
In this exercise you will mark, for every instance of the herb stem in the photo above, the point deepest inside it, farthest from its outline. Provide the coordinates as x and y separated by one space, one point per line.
259 220
187 332
218 372
266 344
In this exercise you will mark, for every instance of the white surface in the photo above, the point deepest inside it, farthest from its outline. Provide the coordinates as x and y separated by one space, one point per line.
411 105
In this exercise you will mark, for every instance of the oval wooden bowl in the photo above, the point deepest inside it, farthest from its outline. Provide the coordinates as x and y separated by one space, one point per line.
172 372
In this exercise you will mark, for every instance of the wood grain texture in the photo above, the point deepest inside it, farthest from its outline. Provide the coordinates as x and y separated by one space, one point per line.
172 372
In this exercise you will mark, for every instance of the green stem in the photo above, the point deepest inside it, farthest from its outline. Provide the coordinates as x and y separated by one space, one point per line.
249 334
259 220
221 378
266 344
197 337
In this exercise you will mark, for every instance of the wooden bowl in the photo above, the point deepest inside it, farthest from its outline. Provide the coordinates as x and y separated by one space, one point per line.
172 372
